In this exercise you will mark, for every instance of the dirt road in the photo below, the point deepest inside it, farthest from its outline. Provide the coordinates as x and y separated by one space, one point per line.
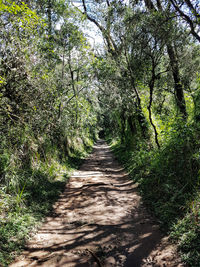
99 220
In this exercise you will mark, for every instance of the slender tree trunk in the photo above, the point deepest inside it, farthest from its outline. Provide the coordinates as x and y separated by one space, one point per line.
139 113
131 125
179 95
140 116
178 89
49 17
62 82
74 89
123 125
151 87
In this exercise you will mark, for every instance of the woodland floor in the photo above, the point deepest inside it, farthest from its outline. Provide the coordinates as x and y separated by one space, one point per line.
99 220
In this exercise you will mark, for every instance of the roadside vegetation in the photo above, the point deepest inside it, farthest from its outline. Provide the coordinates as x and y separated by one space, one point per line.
168 181
139 87
47 121
30 193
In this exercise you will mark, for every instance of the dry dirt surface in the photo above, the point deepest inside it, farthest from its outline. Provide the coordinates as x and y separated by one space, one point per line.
99 220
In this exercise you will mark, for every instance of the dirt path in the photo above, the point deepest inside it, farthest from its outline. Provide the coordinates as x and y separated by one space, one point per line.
99 220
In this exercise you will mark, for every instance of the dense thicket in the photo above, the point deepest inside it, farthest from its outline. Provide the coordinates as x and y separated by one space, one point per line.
141 87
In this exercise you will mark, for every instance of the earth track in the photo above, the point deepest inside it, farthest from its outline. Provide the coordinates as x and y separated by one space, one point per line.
99 220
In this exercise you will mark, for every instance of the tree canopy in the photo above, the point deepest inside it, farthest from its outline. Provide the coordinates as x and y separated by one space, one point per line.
139 87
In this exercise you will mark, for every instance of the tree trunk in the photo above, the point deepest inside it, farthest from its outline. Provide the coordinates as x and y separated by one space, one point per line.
151 87
178 89
179 95
49 17
140 116
123 125
131 125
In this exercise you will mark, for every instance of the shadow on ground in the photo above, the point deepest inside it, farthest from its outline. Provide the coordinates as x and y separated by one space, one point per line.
99 220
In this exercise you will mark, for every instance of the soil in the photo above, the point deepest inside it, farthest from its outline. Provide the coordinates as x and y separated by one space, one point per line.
99 220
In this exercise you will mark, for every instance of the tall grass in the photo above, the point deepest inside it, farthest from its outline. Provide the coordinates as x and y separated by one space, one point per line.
31 181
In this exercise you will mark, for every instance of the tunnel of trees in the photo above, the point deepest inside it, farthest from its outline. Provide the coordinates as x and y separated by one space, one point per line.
137 86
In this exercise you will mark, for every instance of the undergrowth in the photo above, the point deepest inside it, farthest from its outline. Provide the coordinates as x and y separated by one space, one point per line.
169 184
28 191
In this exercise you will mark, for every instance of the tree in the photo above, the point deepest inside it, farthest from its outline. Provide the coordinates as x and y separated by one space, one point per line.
178 89
189 11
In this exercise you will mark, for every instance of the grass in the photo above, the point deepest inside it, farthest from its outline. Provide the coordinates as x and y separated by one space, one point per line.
28 196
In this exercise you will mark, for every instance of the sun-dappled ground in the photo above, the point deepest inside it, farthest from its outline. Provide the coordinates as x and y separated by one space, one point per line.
99 220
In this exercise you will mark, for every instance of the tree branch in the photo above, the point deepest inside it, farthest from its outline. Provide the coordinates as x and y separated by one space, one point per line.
187 18
106 34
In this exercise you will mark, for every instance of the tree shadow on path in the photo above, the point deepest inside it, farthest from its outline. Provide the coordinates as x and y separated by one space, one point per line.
98 218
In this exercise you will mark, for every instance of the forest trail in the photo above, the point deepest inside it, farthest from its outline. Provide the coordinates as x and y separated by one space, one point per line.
99 220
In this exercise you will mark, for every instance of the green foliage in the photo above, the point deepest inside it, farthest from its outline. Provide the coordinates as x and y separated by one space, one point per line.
186 232
56 93
20 213
31 192
4 163
168 181
47 113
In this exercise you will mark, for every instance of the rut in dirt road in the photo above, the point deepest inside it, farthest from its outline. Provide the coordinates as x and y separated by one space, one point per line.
99 220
